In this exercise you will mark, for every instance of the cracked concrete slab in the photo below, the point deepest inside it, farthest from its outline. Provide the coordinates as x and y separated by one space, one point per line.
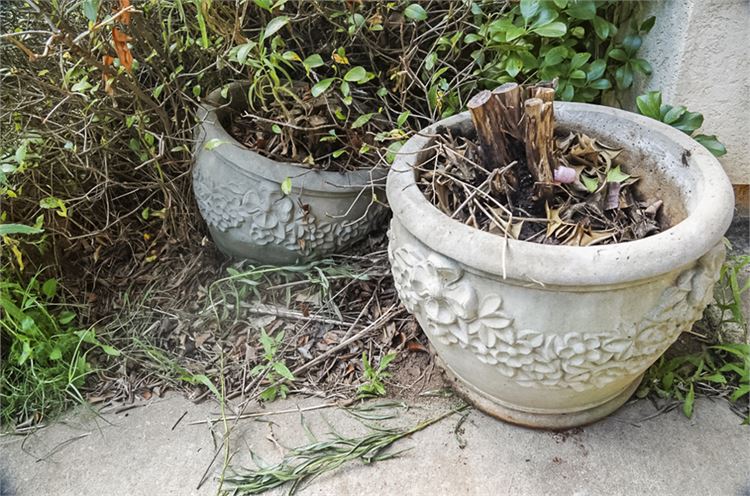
138 452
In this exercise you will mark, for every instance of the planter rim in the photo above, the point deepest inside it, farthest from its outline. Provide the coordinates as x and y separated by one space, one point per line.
708 217
235 154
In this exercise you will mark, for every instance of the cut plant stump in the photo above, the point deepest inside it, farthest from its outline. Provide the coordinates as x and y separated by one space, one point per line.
539 139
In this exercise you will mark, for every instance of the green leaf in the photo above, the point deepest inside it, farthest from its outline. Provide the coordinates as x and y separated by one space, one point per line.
55 354
291 56
313 61
561 4
345 90
529 8
551 30
338 153
631 43
555 55
51 202
386 360
264 4
21 153
81 86
689 122
582 9
578 74
601 27
110 350
591 183
646 25
10 229
402 118
566 92
740 392
642 66
546 15
471 38
596 69
615 175
624 77
415 12
66 317
392 151
650 104
513 66
286 185
90 9
362 120
715 377
355 74
49 288
709 141
601 84
25 353
276 129
579 59
274 25
203 379
618 54
687 407
283 371
321 87
213 143
430 60
514 32
673 114
243 51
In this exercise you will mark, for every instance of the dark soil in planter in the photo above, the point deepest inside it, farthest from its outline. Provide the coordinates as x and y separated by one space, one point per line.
602 205
318 132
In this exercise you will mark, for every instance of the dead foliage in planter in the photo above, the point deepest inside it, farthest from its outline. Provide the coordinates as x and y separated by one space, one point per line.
565 189
306 131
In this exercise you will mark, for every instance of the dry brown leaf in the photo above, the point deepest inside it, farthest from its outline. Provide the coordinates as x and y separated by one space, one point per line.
121 40
125 17
108 60
416 346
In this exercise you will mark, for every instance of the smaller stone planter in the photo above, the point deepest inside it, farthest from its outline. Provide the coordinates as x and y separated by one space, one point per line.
248 215
558 336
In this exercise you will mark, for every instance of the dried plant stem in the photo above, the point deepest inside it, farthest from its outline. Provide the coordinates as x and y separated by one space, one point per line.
539 139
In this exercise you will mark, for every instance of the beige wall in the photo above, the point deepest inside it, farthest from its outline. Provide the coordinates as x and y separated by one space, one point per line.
700 52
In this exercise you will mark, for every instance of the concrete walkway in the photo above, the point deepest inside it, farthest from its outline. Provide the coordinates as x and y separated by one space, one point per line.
138 452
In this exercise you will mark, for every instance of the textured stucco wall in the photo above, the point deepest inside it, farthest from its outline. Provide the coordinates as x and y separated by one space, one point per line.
700 52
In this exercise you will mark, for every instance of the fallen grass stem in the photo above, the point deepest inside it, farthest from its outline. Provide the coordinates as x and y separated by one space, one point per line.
307 462
275 412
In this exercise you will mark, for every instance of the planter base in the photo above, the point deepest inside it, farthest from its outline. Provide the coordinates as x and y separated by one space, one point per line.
552 421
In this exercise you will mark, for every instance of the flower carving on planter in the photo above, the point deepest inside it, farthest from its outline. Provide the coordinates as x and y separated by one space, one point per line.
434 288
273 218
265 215
221 208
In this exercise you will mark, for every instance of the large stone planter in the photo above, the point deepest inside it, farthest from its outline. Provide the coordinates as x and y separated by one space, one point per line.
558 336
240 197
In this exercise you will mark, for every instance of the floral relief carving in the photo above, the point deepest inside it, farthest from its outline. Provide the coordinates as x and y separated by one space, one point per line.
434 288
268 217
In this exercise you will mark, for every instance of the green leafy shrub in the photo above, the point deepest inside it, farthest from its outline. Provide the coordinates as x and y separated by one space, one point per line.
44 354
724 366
680 118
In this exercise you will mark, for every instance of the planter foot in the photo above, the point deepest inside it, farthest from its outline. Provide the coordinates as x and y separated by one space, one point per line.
551 421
